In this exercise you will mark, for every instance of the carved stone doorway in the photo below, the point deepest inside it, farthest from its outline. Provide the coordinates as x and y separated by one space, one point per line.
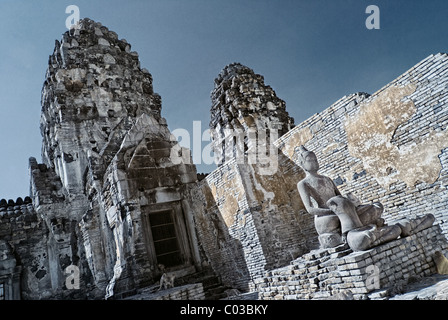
166 235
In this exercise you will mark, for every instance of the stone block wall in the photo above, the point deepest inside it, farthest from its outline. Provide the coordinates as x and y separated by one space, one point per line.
324 273
218 241
391 146
110 165
248 223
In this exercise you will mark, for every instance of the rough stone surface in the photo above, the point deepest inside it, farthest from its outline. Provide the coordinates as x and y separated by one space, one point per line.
25 236
115 196
325 273
242 231
110 165
434 287
9 273
401 160
244 109
188 292
248 215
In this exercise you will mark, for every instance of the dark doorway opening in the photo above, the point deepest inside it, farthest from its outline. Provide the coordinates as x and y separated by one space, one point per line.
164 237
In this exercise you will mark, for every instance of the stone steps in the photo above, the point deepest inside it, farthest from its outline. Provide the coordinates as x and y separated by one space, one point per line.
212 285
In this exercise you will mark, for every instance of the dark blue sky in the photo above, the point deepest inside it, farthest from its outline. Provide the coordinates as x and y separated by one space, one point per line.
310 52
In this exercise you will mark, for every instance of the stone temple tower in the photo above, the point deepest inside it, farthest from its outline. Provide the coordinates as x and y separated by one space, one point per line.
244 110
251 198
93 91
113 184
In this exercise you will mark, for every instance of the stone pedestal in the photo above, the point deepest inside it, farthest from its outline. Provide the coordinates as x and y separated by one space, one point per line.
328 273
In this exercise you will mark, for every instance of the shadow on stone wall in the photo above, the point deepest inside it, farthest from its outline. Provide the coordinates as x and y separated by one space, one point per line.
222 251
248 222
285 230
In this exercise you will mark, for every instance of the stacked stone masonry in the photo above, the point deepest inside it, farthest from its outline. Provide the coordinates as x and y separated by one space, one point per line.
326 273
389 147
339 136
243 232
114 184
248 215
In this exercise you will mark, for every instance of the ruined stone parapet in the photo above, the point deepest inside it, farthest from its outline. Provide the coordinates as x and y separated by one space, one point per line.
16 219
11 207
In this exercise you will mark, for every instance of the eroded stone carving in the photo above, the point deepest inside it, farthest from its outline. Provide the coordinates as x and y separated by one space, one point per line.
340 219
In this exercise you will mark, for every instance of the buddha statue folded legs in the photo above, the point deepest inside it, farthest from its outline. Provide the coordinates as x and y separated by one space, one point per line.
338 218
